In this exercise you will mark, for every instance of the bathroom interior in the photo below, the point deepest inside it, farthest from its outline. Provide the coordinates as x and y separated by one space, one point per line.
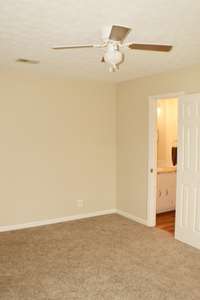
167 123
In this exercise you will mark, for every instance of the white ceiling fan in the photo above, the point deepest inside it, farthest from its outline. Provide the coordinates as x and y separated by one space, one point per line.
113 40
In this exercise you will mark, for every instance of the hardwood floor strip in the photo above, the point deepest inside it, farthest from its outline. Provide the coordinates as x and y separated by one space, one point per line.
166 221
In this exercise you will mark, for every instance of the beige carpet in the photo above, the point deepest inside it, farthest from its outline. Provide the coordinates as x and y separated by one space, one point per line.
106 257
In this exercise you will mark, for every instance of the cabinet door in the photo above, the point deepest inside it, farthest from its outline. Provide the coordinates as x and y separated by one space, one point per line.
166 192
171 190
162 201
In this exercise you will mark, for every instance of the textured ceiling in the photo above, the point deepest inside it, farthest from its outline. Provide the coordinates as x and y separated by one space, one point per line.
29 28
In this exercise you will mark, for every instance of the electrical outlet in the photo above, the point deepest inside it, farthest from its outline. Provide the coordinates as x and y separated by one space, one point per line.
79 203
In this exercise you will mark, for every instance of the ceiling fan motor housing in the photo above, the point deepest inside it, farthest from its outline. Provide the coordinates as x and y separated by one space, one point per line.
105 33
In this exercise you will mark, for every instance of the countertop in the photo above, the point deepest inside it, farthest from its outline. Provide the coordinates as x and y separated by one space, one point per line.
166 169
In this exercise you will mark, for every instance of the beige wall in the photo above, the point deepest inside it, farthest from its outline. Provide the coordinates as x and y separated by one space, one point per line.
58 145
167 121
132 128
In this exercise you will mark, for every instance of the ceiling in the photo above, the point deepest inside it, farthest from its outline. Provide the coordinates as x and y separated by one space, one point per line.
28 29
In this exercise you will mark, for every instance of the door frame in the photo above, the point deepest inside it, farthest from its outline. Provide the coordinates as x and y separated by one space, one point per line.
152 154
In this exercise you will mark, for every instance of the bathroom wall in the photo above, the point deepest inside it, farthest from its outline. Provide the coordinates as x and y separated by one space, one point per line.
167 114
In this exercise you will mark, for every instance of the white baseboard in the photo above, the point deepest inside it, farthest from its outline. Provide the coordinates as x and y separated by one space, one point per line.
73 218
57 220
132 217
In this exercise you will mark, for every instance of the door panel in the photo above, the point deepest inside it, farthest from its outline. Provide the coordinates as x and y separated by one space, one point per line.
188 171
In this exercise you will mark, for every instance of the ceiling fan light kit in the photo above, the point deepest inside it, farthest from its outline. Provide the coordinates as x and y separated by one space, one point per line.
113 57
113 40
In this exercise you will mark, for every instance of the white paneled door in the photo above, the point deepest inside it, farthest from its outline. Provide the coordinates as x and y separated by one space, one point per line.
188 175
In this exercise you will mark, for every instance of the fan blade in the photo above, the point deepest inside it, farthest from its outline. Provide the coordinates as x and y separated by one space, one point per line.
119 33
73 47
150 47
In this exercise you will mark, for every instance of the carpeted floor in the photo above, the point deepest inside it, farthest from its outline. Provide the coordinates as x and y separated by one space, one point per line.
107 257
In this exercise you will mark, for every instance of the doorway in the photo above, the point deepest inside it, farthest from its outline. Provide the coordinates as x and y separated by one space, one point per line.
163 109
187 217
166 167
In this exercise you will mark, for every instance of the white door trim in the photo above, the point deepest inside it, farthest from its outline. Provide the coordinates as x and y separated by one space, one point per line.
152 155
